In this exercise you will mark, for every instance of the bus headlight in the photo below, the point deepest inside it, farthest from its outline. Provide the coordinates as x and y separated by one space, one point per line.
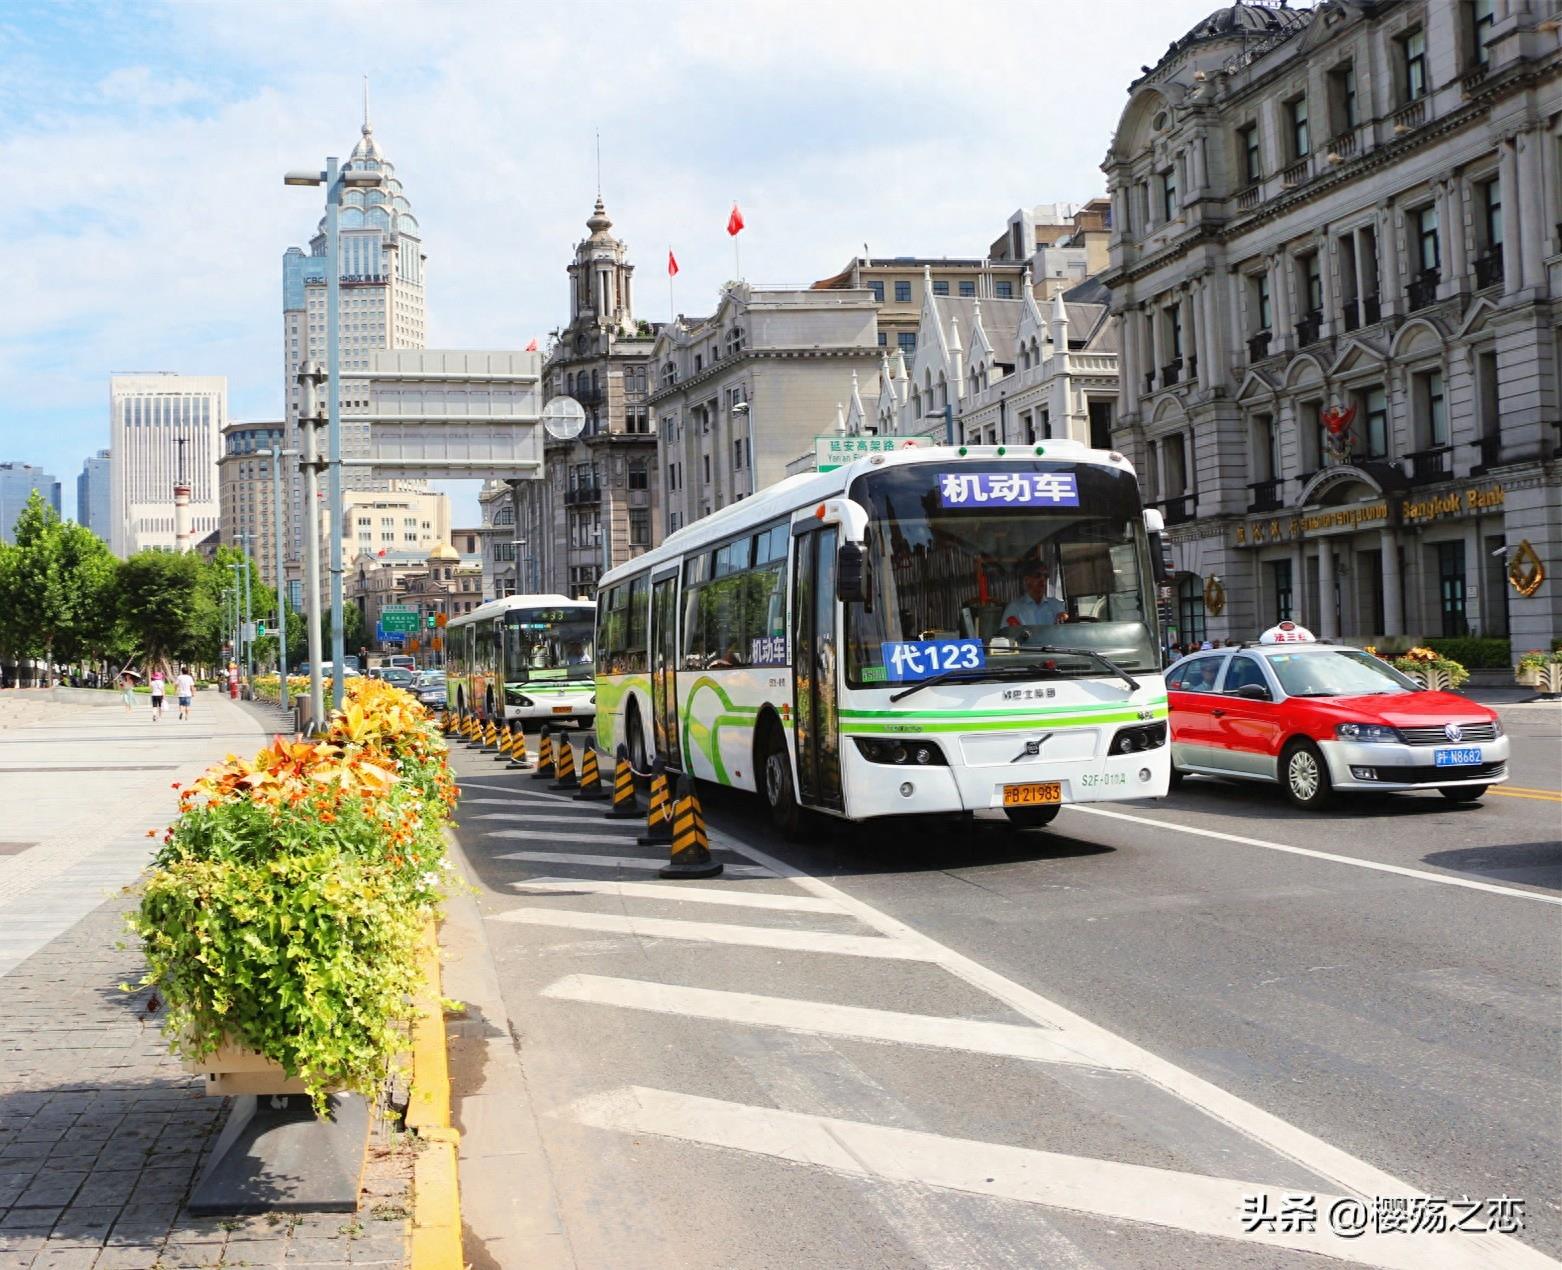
1143 736
878 749
517 699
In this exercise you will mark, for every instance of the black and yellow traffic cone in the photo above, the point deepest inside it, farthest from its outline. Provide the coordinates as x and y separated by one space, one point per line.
506 740
474 733
591 788
491 735
564 766
544 770
518 760
691 856
659 816
625 806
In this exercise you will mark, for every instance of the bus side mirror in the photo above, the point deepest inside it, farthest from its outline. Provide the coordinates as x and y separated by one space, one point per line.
1160 560
851 573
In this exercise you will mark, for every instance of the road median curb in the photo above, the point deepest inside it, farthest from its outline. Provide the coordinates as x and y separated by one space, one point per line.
436 1198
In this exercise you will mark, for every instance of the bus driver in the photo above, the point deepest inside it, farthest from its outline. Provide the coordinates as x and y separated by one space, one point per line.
1035 607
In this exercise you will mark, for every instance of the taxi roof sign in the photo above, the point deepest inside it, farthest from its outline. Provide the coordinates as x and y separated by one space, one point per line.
1287 633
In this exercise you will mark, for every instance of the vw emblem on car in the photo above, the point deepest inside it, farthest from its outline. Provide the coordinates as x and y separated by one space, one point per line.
1453 732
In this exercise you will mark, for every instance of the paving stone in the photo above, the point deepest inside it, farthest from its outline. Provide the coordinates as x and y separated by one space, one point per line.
50 1189
35 1220
132 1257
49 1258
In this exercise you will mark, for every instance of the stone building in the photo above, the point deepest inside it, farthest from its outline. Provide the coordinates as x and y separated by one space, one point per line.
245 494
741 392
1336 254
604 480
1004 372
1061 243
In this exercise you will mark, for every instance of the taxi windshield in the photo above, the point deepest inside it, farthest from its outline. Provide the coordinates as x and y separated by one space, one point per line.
1337 673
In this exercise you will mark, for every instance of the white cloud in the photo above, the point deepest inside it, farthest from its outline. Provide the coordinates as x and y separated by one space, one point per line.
147 220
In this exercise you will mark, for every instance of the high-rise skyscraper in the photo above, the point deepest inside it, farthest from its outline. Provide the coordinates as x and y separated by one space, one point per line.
149 415
93 495
17 482
381 307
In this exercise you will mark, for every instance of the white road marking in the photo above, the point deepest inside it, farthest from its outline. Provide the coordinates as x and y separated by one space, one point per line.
536 791
622 861
685 892
535 800
718 933
1310 1151
1105 1188
618 839
1423 875
1007 1040
552 818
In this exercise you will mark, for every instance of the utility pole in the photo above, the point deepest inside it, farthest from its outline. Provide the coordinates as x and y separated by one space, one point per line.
309 376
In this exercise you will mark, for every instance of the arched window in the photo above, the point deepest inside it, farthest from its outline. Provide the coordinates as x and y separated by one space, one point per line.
569 384
943 391
916 404
734 341
669 374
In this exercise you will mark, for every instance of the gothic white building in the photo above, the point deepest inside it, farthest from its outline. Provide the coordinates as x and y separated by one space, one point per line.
1337 255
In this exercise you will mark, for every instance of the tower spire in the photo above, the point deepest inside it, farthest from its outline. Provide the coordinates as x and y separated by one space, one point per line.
367 127
599 165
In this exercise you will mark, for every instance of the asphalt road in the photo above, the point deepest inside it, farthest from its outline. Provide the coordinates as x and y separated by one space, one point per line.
954 1045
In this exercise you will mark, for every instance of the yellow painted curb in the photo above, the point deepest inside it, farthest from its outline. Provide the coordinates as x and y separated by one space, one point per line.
436 1198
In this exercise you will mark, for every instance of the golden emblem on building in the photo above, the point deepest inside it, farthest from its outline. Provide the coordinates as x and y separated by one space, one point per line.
1525 570
1215 596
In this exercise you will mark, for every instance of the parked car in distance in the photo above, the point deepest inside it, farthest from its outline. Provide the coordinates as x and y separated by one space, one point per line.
397 677
1322 718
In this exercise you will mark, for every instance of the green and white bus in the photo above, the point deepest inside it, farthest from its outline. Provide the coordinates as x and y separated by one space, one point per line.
929 631
525 658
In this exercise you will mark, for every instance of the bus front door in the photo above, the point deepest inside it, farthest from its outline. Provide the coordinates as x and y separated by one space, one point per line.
664 669
814 658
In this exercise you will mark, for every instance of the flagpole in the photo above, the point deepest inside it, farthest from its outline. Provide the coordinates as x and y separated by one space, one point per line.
672 311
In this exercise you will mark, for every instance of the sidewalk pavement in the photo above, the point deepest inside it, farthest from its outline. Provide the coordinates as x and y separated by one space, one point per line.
102 1132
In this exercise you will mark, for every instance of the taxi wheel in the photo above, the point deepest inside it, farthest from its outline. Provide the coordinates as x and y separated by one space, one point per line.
1032 817
1305 776
1176 776
1462 793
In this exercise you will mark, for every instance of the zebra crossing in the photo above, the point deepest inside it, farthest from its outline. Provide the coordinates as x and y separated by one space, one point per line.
688 977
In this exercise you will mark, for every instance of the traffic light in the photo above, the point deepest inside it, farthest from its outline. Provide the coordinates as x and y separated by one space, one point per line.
431 621
260 630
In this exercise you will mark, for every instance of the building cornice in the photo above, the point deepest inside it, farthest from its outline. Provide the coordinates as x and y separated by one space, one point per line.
726 364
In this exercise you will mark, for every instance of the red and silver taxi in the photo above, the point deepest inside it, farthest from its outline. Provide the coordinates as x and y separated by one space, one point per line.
1319 718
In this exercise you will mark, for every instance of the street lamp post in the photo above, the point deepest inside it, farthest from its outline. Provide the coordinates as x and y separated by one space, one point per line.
309 464
276 455
248 626
743 408
334 180
520 545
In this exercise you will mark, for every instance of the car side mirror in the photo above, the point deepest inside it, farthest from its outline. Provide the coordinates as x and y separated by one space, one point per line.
1254 692
851 573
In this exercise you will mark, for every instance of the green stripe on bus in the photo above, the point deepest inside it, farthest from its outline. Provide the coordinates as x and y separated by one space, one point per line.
864 727
1023 712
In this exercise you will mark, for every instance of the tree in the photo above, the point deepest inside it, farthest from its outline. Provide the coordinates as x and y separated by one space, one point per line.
56 585
162 607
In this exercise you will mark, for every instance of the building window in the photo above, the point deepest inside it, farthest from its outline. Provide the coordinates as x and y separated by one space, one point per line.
706 466
1482 17
1311 271
1252 158
907 341
883 339
941 288
1491 214
639 475
1174 332
1100 412
1374 422
1261 305
1296 126
1168 194
639 526
737 454
1003 290
1280 587
967 288
902 293
1190 610
1428 256
1412 56
1342 96
1432 408
1450 587
876 289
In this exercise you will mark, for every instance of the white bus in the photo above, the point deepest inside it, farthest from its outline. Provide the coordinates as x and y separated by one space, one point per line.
930 631
525 658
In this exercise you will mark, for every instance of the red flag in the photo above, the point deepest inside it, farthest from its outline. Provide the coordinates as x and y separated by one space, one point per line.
735 221
382 551
672 263
532 347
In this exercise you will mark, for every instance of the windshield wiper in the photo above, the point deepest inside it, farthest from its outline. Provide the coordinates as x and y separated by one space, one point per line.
970 675
1133 684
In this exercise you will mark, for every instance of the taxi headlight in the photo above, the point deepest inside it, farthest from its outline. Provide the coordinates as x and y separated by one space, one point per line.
1496 726
1368 732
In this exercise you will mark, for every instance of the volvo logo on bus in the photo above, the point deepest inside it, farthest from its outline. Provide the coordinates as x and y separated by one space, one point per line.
1032 748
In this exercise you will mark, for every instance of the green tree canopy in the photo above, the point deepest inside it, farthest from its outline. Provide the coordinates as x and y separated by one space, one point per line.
56 588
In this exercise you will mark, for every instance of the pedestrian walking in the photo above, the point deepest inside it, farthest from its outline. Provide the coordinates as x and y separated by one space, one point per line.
184 687
127 679
159 686
233 680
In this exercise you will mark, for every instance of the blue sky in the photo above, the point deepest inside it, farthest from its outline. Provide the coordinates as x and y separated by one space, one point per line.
143 144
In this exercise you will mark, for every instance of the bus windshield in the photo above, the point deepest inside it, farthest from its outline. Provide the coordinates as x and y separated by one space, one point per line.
1027 557
548 644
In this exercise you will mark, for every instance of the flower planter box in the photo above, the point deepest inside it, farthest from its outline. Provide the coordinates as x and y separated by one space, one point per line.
1528 676
234 1069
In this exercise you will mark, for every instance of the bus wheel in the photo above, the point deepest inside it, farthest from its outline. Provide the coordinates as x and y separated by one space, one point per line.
1032 817
634 738
780 795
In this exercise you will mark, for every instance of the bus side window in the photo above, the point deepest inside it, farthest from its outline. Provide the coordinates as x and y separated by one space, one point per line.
695 572
636 625
604 611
